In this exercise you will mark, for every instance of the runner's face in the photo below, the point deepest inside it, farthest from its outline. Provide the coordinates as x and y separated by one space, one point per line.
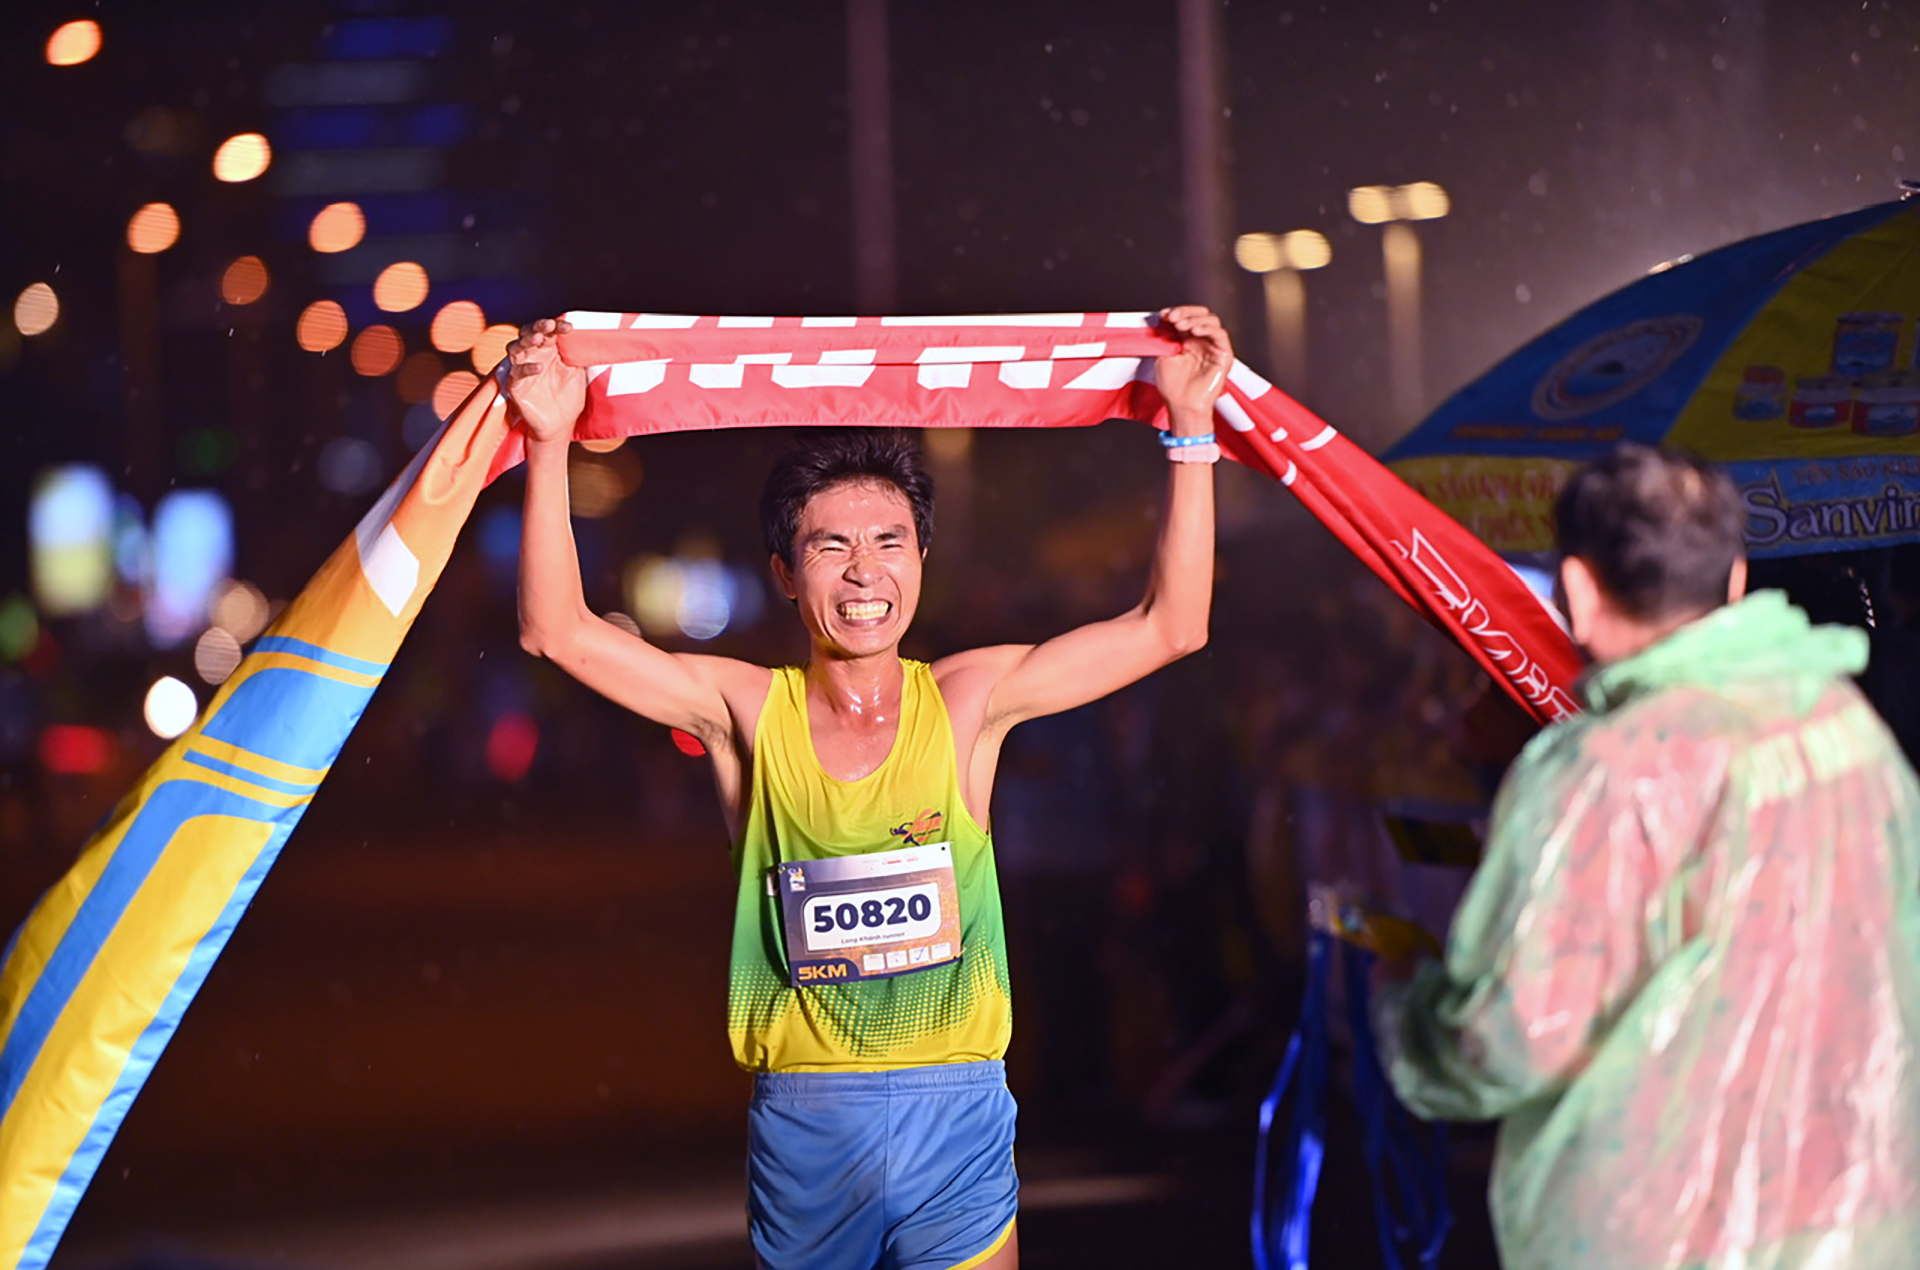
856 574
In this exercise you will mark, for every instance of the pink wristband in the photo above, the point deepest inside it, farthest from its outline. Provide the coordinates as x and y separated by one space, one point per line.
1208 452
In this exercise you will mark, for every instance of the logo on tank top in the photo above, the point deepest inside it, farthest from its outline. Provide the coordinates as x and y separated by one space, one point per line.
920 828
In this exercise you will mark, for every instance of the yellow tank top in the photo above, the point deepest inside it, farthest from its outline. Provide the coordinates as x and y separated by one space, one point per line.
955 1012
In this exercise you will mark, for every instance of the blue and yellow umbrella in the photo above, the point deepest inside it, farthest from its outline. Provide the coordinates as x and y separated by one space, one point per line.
1793 358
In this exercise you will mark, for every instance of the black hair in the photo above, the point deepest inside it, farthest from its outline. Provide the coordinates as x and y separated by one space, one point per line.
825 457
1660 528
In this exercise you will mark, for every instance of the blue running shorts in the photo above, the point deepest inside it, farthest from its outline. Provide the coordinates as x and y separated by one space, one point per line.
894 1170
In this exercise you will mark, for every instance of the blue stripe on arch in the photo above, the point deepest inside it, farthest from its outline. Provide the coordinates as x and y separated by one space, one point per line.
154 827
313 652
144 1053
290 715
240 773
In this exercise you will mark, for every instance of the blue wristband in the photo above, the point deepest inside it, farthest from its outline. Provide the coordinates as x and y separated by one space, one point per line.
1173 442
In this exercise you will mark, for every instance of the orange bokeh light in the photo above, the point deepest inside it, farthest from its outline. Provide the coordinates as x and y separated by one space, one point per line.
419 376
242 157
36 310
244 281
154 228
452 390
337 227
323 325
456 326
491 346
74 43
400 287
377 350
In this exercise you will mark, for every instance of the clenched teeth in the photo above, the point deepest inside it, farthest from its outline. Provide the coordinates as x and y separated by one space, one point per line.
864 610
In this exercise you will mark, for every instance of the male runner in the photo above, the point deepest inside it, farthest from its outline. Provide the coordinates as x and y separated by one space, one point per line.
869 983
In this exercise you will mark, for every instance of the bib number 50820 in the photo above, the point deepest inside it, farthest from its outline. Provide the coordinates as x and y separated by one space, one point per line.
871 914
863 917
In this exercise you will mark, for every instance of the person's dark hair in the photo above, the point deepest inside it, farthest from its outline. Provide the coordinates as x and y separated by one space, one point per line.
1660 528
825 457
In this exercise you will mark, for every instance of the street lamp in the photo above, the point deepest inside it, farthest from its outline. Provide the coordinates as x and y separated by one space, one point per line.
1396 206
1280 259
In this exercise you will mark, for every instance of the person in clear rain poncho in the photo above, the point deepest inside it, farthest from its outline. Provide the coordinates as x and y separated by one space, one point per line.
1686 978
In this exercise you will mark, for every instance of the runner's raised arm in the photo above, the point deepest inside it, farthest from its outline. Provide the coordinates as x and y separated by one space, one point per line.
700 695
1022 682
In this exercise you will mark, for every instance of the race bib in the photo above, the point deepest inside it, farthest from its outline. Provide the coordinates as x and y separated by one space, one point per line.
870 916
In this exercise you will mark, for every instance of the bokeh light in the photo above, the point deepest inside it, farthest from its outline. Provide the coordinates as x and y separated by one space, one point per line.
377 350
170 707
337 227
652 591
400 287
1378 204
74 749
154 228
419 425
599 481
70 538
350 466
706 605
192 556
593 488
19 627
132 545
74 43
244 281
36 310
1422 200
322 325
1297 249
499 539
1307 249
1257 253
491 346
512 743
456 326
216 655
420 374
691 593
1370 204
452 390
239 608
242 157
949 445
